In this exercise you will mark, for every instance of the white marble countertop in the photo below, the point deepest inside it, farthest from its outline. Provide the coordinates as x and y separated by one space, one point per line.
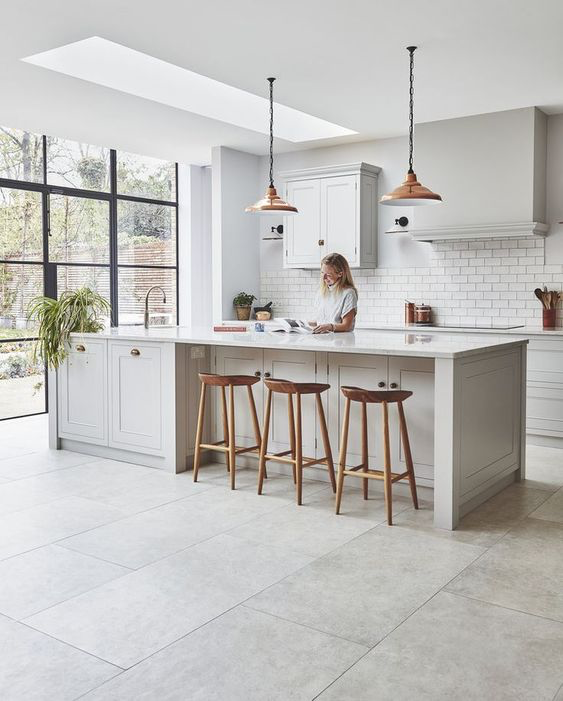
524 331
416 342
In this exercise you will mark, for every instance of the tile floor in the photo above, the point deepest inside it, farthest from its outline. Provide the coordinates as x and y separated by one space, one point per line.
120 582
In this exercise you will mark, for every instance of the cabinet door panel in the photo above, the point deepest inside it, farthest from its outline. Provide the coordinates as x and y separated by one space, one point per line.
297 366
135 397
238 361
360 371
302 232
339 221
82 395
417 376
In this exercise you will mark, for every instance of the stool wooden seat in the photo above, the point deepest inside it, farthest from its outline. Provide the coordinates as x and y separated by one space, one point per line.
294 456
227 445
384 397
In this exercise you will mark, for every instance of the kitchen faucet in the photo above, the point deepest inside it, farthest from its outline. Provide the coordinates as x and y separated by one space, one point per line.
154 287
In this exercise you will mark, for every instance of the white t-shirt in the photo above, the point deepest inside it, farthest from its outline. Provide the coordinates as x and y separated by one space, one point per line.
330 308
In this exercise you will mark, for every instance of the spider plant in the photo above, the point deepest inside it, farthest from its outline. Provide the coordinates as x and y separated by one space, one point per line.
77 311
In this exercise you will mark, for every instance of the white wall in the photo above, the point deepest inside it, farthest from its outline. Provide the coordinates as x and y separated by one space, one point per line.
235 233
194 245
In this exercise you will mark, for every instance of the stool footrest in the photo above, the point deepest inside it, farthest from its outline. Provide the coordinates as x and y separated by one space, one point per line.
374 474
306 462
220 446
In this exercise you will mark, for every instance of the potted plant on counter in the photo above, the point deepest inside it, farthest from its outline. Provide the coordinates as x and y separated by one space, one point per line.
77 311
243 304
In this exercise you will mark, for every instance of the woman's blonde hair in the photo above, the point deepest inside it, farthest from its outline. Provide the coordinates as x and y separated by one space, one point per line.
340 264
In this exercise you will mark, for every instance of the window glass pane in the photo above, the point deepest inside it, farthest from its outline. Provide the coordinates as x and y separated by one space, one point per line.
21 155
146 233
145 177
21 236
18 285
79 230
77 165
72 277
134 284
22 380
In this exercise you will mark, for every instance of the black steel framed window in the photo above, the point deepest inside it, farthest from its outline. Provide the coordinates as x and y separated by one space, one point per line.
72 215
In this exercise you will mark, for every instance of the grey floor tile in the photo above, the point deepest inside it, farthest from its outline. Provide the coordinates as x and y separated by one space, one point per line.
36 667
314 528
365 588
149 536
523 571
44 577
544 468
455 649
134 616
276 484
243 655
42 461
47 523
551 509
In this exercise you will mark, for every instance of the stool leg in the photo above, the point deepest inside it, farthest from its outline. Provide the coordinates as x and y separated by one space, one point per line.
342 456
225 426
232 433
408 455
291 422
326 442
387 464
264 443
298 450
199 430
254 419
365 447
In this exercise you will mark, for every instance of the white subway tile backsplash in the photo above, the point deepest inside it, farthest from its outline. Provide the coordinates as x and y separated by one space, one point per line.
467 282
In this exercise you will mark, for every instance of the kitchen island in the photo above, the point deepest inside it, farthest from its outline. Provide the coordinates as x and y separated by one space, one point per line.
131 394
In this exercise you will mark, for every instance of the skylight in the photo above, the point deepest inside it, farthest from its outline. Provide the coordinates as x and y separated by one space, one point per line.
104 62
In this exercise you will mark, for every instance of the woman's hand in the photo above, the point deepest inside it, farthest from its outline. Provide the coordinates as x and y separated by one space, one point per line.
323 328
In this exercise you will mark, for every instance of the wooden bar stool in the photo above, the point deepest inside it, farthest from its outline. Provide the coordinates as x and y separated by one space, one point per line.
385 397
227 445
297 460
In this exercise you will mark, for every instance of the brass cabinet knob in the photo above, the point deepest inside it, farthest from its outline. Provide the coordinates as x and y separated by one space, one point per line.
321 242
80 348
135 351
381 384
267 374
393 385
257 373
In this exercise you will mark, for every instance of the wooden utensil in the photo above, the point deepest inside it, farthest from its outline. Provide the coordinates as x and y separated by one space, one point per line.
539 294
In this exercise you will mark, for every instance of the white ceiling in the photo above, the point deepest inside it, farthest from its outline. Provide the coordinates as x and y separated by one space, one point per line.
345 63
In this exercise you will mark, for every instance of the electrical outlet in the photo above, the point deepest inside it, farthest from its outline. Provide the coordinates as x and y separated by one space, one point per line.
197 352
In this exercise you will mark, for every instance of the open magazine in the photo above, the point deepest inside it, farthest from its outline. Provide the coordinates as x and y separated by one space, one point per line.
278 325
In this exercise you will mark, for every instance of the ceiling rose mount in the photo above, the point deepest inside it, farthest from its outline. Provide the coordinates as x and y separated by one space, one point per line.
271 203
411 193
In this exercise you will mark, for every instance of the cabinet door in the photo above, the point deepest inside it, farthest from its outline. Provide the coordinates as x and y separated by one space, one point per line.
135 389
303 231
365 371
238 361
339 217
417 376
82 393
297 366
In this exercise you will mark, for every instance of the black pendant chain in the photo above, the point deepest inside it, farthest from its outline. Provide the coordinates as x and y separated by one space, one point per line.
411 50
271 81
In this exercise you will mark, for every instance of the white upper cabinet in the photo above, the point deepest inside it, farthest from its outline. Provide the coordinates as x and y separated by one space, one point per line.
337 213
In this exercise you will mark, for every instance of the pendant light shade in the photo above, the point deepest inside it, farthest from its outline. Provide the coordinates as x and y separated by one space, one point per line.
271 203
411 193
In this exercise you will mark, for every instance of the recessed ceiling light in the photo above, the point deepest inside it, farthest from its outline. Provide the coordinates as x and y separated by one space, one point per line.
106 63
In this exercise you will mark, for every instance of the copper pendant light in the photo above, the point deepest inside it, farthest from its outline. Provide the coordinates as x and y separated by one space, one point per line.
411 193
271 203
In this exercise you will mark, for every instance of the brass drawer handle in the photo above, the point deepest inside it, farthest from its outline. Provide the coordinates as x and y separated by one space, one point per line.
80 348
135 351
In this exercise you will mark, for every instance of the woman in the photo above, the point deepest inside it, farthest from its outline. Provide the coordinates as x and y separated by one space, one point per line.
337 300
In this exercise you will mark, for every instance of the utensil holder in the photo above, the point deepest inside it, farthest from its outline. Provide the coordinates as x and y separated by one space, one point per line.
549 318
